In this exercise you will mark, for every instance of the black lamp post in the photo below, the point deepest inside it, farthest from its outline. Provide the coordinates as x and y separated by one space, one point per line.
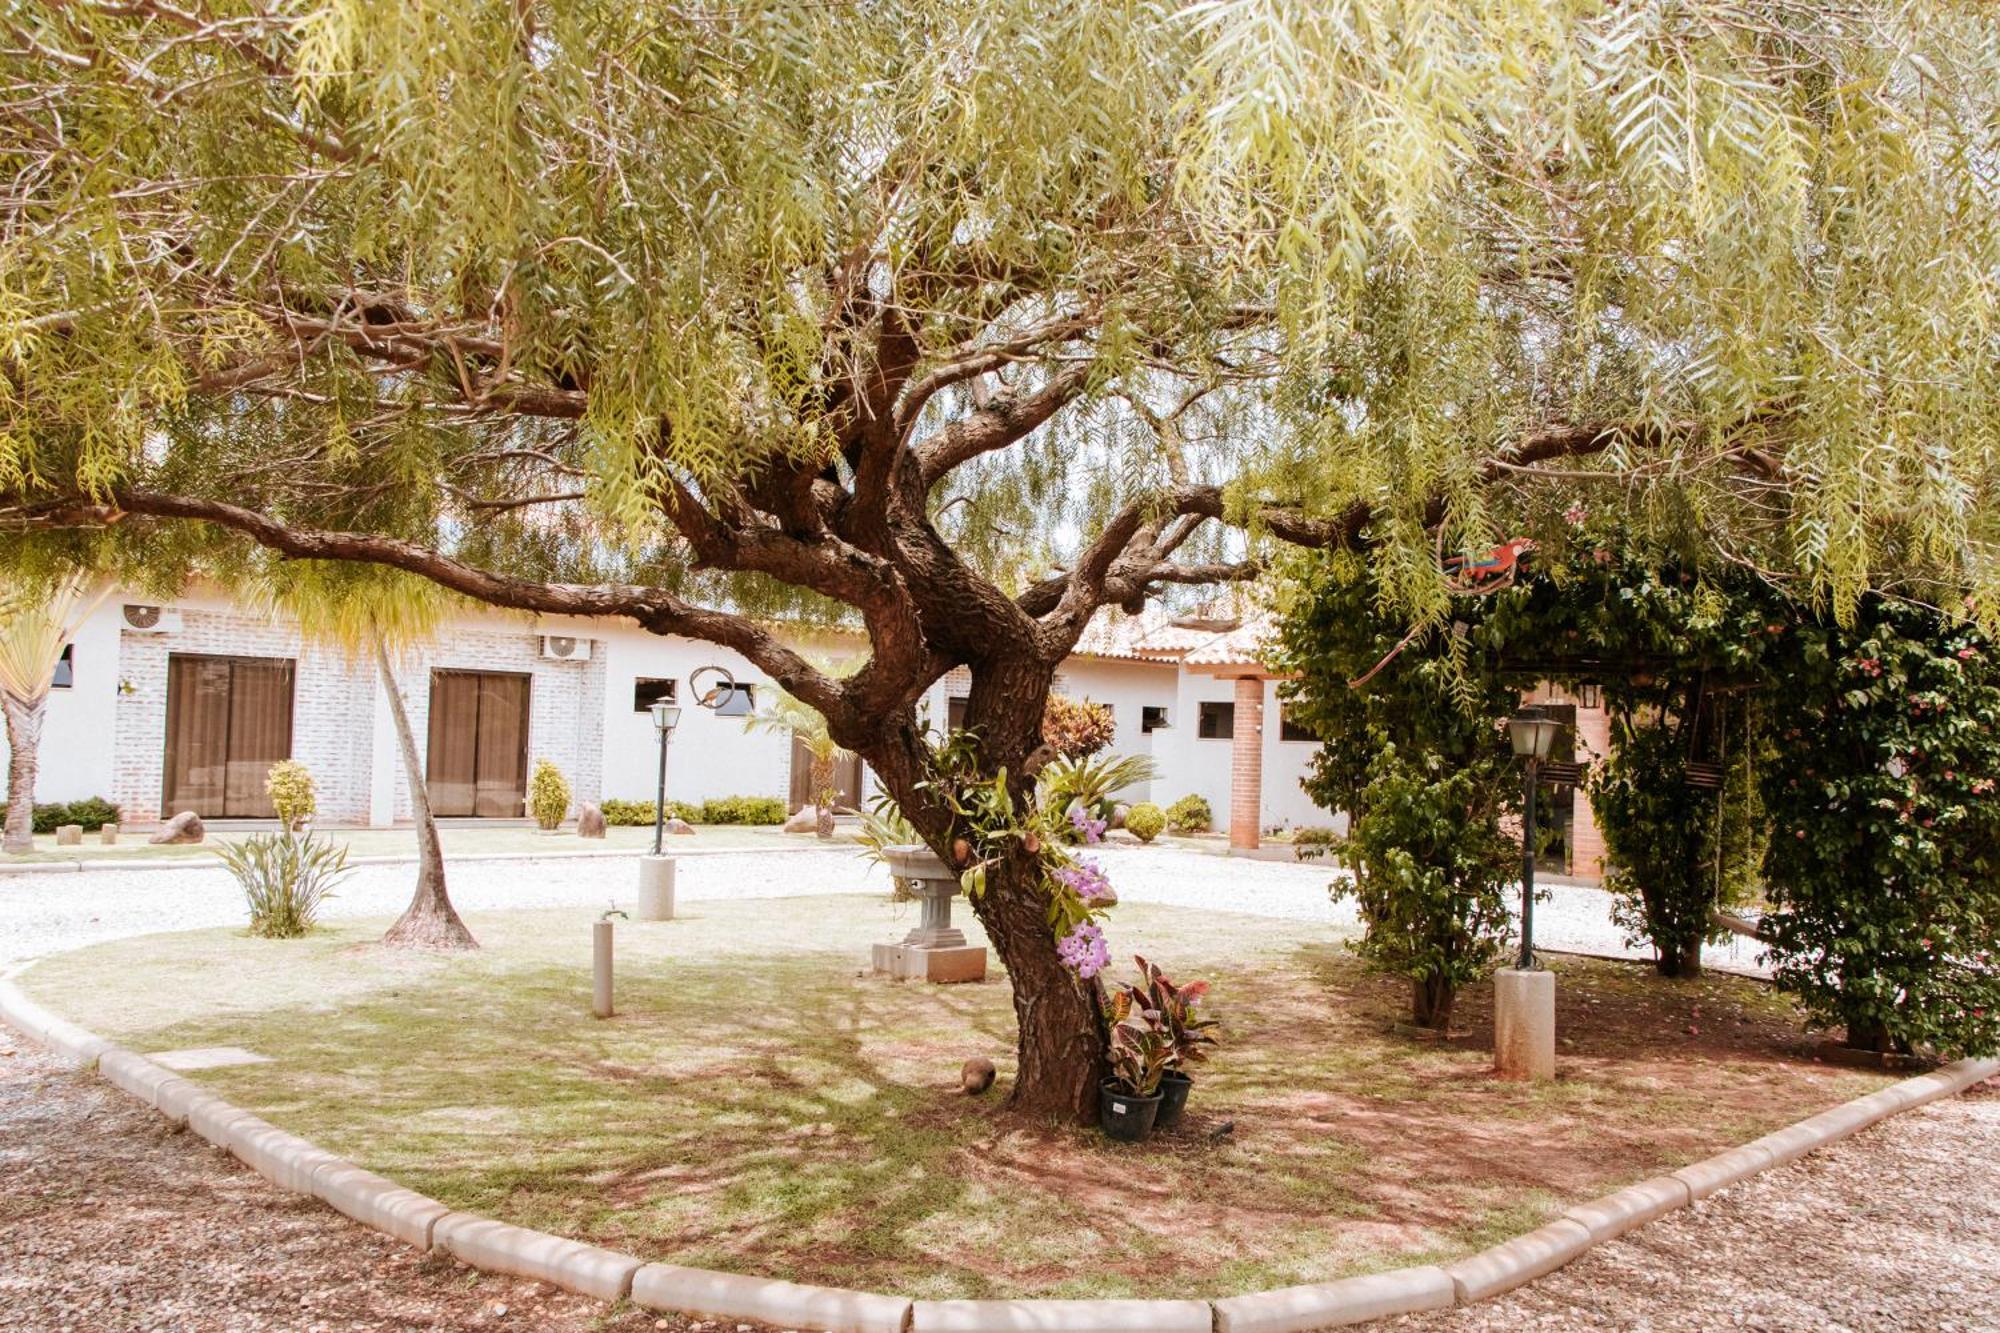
666 717
1532 734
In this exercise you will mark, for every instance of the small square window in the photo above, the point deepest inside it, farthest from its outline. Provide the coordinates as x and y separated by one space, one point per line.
65 674
1290 730
647 691
954 712
1153 717
740 701
1218 722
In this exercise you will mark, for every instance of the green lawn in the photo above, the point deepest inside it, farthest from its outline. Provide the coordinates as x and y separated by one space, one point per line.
458 839
762 1104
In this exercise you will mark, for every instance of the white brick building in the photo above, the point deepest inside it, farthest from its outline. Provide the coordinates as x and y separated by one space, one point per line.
187 709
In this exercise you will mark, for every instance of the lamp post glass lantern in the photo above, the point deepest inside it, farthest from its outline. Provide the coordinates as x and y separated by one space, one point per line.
1532 735
666 717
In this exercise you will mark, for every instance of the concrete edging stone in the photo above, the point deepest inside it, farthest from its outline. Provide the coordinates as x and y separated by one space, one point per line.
703 1292
295 1164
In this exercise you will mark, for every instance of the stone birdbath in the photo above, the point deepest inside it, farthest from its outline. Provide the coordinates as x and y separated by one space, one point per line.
935 950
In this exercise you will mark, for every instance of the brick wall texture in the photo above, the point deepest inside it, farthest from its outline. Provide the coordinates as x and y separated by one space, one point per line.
335 702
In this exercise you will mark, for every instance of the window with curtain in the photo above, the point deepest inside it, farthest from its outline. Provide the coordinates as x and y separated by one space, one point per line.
228 720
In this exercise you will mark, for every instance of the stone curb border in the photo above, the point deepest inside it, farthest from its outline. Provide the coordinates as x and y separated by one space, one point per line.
294 1164
202 862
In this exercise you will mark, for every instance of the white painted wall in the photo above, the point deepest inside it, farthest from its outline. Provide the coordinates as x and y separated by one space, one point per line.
98 741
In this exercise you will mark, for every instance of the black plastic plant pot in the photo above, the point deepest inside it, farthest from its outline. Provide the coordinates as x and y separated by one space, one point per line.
1123 1116
1173 1099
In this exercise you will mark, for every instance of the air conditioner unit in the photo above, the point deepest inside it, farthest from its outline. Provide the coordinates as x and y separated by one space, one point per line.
562 648
152 619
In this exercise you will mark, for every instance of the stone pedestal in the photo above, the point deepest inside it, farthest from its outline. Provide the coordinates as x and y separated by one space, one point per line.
69 835
1524 1023
108 835
656 888
935 950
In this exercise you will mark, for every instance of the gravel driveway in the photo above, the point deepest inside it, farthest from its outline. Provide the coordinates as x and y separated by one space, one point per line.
1895 1228
46 913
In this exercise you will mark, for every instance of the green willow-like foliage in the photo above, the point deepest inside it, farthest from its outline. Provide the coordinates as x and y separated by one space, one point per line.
373 265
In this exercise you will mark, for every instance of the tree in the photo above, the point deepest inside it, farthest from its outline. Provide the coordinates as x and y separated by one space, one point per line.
790 717
371 609
36 623
964 321
1415 753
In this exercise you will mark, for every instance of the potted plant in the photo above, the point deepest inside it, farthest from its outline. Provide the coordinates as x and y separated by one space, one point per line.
1141 1050
1187 1034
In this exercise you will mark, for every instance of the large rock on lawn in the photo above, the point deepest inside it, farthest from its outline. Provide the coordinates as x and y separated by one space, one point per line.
805 821
679 826
183 827
589 821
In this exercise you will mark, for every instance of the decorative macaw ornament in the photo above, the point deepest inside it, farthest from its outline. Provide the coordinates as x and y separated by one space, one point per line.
1496 569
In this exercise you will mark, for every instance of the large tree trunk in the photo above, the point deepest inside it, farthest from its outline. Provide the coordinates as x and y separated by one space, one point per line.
1061 1041
430 921
24 741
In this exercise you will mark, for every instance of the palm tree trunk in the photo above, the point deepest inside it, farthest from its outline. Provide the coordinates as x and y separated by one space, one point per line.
24 740
430 921
823 797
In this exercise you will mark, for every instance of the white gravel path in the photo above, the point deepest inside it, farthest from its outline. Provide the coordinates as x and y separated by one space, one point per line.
47 913
42 914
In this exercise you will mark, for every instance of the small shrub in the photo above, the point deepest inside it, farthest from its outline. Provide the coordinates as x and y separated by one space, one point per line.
1077 728
742 810
720 810
1310 844
548 794
1190 814
285 879
1145 821
294 795
93 812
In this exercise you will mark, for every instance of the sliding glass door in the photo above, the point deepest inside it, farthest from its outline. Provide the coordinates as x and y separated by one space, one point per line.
228 720
478 755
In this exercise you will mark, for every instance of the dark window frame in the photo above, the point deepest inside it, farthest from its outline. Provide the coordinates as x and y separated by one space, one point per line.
742 700
639 684
1152 718
1216 720
1289 730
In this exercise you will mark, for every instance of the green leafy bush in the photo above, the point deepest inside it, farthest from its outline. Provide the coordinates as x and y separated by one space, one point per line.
1145 821
742 810
1883 866
1311 844
719 810
548 794
294 795
285 879
1190 814
93 812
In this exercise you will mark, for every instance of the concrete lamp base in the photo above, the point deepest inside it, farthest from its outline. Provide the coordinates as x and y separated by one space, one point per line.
656 888
1524 1024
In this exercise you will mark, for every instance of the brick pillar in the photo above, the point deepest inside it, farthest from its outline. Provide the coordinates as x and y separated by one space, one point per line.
1593 741
1246 763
